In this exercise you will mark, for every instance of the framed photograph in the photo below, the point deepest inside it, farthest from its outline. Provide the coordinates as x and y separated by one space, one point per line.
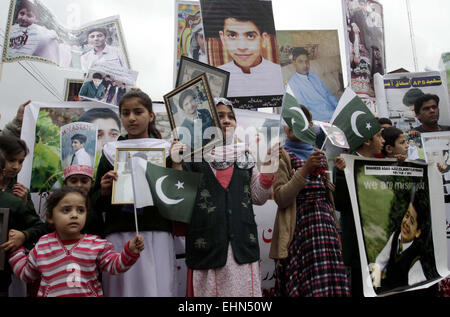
122 192
72 89
217 78
193 117
4 218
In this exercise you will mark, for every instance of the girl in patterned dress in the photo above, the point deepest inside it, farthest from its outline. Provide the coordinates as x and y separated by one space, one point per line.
305 241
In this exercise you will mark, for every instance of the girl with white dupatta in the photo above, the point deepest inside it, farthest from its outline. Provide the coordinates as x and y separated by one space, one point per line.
154 275
222 250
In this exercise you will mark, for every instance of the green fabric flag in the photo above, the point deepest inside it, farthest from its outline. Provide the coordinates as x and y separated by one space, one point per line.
355 119
296 120
174 192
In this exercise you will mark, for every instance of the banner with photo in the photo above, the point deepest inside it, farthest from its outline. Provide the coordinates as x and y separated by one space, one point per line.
311 64
248 50
42 170
189 35
107 83
365 46
402 244
444 66
396 94
33 33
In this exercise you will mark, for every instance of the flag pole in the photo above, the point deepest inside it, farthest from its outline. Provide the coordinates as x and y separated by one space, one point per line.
134 192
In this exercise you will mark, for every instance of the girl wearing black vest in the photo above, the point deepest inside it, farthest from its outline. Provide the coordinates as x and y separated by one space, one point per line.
222 250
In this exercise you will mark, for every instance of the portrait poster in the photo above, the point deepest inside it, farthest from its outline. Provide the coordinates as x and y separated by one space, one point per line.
78 145
72 88
107 83
334 135
4 222
193 117
396 94
311 64
365 46
436 146
42 169
188 33
399 215
251 56
43 38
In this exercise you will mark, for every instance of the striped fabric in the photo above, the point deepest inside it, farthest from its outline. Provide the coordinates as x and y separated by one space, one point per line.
314 267
70 272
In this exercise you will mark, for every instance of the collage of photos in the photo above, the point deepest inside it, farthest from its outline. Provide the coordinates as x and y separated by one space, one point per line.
33 33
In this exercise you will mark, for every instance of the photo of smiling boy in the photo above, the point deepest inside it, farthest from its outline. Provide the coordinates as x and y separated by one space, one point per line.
247 36
28 38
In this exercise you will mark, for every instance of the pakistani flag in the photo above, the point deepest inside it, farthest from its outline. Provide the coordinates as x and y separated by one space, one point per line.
174 192
295 118
356 120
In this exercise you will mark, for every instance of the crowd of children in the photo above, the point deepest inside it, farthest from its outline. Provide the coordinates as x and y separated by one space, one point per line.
73 253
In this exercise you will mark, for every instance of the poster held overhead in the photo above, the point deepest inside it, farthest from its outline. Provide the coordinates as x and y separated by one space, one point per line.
241 39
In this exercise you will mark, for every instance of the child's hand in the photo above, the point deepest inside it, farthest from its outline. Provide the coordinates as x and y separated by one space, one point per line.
314 161
441 167
15 240
107 182
340 163
21 110
400 157
20 191
176 150
137 244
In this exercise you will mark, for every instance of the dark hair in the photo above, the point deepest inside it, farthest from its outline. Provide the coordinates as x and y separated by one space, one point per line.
101 30
146 101
97 76
297 51
307 113
12 146
422 99
184 95
390 135
99 113
384 121
25 4
59 194
2 161
256 11
411 96
80 137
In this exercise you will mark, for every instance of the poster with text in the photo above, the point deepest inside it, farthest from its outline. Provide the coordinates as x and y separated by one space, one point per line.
241 39
42 171
396 94
399 215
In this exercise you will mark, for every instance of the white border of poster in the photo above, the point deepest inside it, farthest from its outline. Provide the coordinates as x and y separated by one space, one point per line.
437 215
29 130
389 86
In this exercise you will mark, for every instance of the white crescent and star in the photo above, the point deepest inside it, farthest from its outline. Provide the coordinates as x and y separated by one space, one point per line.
162 196
303 115
353 119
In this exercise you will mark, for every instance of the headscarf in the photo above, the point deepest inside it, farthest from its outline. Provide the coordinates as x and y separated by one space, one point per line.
222 157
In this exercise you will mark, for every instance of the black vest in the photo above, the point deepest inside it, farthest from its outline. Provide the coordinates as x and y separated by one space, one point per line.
221 216
399 264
